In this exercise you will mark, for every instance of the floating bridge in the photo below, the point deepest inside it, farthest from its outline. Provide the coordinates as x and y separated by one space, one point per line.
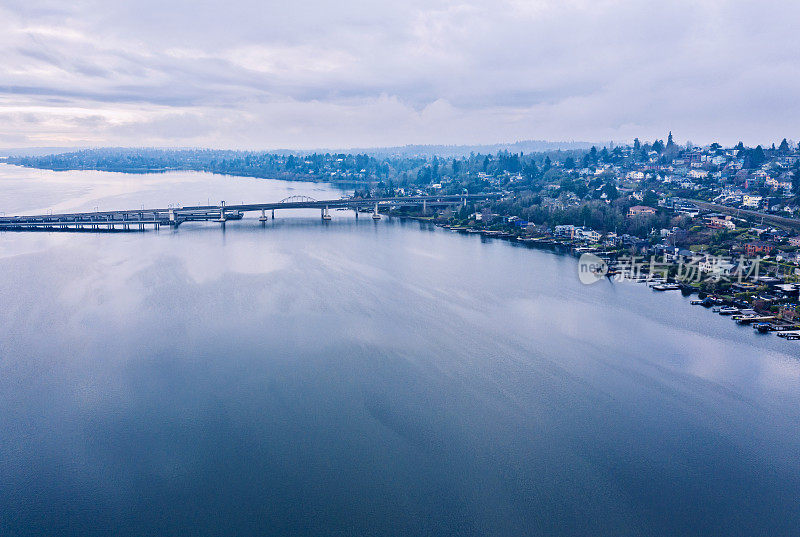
141 219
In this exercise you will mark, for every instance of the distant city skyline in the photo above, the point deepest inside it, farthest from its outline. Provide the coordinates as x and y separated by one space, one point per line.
354 75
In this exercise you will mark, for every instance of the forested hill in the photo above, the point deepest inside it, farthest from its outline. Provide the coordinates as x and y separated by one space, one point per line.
328 167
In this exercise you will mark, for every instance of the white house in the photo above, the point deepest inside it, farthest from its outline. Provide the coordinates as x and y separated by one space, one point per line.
716 266
750 200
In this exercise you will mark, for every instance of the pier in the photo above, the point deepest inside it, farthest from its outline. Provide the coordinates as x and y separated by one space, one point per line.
142 219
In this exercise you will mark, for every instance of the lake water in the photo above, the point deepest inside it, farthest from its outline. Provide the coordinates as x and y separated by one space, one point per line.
363 378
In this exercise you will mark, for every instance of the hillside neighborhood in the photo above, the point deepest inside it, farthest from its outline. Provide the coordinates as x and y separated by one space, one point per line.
720 221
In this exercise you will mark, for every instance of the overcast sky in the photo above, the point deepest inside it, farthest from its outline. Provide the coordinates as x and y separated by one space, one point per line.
307 73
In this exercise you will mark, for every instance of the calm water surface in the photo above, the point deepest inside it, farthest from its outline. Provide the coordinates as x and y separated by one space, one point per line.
361 378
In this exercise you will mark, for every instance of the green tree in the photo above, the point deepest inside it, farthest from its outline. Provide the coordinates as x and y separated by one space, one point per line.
610 190
650 199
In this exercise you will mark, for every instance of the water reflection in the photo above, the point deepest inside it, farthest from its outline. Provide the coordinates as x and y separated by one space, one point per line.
354 377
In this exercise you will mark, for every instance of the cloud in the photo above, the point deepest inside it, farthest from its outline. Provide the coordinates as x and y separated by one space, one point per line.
355 73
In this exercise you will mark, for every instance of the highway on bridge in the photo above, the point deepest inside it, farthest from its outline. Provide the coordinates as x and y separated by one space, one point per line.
140 219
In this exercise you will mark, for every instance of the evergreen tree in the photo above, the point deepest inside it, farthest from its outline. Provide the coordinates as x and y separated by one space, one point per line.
610 190
757 157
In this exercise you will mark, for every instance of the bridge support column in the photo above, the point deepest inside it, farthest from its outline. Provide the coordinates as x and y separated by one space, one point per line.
263 217
424 206
376 215
273 214
326 215
221 212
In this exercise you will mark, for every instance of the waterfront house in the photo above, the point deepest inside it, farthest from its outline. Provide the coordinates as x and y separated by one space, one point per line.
564 231
586 234
716 266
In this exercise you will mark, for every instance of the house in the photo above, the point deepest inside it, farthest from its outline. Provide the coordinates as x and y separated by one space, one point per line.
586 234
794 241
716 222
749 200
755 248
564 231
716 266
639 210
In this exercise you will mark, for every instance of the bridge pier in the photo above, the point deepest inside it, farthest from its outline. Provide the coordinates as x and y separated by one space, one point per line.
326 215
263 217
221 213
376 215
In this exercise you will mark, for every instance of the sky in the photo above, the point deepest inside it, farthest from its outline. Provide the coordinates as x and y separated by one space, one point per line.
354 73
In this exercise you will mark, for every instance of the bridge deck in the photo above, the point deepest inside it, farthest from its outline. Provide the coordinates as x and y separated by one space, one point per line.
139 218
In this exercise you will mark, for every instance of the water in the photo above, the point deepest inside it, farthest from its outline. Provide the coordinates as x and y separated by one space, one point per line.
360 378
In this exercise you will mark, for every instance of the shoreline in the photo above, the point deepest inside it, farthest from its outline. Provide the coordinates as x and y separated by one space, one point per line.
763 322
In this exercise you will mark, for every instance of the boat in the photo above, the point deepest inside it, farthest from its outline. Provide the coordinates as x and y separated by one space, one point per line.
750 319
790 335
728 310
716 309
697 302
666 287
763 327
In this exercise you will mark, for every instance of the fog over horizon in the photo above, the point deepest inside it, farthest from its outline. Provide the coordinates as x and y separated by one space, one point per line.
310 74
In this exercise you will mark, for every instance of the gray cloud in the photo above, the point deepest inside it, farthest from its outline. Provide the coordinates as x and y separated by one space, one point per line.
356 73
